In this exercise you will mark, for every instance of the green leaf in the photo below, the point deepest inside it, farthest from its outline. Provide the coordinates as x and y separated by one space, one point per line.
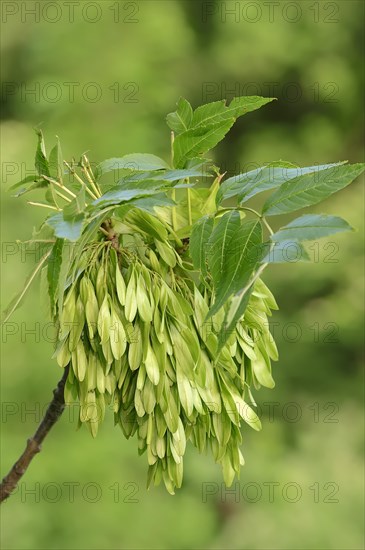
284 252
144 222
218 111
118 195
43 234
198 242
53 163
311 227
150 203
134 161
310 189
273 175
56 162
76 206
53 271
27 179
200 202
17 300
44 300
179 121
197 141
171 175
138 183
66 229
41 162
233 186
220 241
50 195
151 179
199 163
209 207
243 254
66 261
237 307
39 184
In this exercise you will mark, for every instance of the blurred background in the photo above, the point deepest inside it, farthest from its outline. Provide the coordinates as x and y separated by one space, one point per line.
102 76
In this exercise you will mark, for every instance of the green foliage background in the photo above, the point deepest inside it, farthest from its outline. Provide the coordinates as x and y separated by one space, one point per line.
314 66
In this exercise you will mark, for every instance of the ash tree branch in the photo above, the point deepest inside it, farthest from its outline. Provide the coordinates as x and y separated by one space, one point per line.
53 413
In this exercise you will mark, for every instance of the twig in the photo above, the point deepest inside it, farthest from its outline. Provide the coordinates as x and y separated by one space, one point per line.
15 303
85 168
112 236
53 413
83 184
62 196
60 185
44 206
190 219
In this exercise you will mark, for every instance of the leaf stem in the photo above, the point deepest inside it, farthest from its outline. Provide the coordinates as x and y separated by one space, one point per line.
14 304
62 196
81 181
173 211
172 232
172 147
36 241
45 206
267 225
250 210
60 185
104 231
189 206
85 168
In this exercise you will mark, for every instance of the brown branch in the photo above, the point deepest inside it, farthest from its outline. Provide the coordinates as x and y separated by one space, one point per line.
53 413
111 235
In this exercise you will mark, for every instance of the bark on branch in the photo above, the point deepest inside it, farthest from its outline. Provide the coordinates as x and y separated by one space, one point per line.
53 413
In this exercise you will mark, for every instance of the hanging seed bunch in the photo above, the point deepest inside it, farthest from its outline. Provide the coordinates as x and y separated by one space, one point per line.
133 329
153 274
